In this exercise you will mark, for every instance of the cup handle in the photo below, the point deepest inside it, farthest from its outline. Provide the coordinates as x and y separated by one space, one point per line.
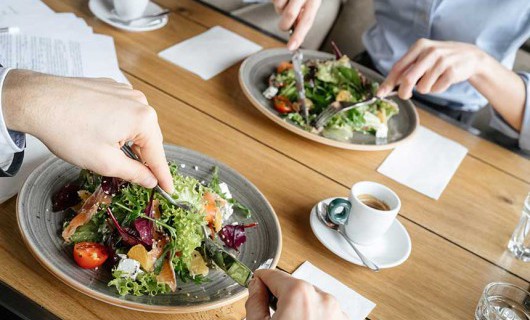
339 210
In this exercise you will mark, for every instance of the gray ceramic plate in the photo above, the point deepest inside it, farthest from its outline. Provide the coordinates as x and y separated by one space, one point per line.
40 228
253 78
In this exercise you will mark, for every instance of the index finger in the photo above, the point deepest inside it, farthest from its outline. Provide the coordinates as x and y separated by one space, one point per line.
155 158
400 67
290 13
275 280
152 151
307 17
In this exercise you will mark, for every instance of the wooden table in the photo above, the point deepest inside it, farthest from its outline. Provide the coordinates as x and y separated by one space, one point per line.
458 241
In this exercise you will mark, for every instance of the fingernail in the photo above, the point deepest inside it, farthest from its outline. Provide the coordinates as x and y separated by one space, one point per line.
292 46
150 182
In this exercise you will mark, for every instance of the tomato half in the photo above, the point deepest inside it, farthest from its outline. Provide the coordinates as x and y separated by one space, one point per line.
90 255
282 104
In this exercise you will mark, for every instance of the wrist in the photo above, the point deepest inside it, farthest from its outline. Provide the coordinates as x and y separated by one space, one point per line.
485 66
21 99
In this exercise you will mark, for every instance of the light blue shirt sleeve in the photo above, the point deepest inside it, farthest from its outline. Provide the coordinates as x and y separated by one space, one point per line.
523 136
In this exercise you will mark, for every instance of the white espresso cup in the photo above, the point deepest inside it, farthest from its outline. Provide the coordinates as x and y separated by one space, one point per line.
362 223
130 9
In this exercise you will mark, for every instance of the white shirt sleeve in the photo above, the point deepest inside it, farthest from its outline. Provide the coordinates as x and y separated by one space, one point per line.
523 136
10 141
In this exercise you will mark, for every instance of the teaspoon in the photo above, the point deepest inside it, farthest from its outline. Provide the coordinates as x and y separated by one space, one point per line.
323 217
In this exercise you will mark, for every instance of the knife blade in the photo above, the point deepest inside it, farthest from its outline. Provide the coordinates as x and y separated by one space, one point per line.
225 261
297 59
234 268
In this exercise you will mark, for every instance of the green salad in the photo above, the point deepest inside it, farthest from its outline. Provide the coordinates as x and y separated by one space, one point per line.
326 81
147 244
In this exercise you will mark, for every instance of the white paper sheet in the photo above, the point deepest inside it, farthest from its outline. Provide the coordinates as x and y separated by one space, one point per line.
23 7
426 163
211 52
60 25
92 57
356 306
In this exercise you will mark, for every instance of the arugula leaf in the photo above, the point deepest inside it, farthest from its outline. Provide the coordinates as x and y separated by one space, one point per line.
350 75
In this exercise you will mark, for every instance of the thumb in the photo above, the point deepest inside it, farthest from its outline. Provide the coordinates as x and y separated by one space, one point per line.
257 305
125 168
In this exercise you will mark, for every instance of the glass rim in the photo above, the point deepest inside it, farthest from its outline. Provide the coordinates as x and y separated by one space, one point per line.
499 283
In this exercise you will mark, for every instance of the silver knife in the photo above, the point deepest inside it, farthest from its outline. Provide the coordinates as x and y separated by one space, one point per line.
298 58
234 268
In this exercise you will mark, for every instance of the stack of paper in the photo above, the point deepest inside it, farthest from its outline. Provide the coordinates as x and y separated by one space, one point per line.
59 44
55 43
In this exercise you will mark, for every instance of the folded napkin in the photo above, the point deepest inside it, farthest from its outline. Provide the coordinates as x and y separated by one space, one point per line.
211 52
356 306
426 163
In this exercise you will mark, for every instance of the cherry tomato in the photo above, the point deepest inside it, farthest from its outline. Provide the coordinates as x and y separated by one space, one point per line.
284 65
90 255
282 104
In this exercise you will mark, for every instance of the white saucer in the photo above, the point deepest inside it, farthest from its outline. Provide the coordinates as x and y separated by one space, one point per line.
103 10
389 251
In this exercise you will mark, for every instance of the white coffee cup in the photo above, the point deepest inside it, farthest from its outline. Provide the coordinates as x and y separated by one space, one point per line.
130 9
363 224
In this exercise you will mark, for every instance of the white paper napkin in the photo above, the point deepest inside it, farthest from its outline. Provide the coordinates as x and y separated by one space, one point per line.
211 52
356 306
425 164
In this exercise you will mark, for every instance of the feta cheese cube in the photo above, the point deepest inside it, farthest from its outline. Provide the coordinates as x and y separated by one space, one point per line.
130 268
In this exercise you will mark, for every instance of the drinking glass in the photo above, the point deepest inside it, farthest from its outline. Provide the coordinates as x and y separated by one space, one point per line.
503 301
519 244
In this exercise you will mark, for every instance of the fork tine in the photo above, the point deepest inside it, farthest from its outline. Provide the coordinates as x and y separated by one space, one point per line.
327 113
321 116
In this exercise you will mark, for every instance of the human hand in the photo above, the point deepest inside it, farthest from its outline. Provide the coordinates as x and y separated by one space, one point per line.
298 13
297 299
432 66
85 122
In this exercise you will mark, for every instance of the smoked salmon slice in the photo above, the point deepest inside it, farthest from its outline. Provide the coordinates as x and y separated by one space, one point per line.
87 211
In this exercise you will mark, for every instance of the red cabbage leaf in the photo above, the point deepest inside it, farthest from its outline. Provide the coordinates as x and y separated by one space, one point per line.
233 236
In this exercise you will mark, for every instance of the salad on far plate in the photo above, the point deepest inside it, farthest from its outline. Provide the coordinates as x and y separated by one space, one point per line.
326 81
148 245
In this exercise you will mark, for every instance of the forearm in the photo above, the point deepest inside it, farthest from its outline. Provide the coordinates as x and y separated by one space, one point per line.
503 88
22 99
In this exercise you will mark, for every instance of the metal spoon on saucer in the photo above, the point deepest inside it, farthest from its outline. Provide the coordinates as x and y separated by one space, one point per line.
323 217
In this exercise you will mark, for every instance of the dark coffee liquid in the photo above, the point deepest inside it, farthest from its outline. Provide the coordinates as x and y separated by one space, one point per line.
373 202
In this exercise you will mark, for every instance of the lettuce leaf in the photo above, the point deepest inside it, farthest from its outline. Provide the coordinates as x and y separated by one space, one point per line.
145 284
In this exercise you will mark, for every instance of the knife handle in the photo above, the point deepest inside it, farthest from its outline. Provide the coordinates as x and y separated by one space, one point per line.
273 301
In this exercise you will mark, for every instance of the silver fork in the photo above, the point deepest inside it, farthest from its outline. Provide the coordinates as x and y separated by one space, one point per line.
337 107
184 205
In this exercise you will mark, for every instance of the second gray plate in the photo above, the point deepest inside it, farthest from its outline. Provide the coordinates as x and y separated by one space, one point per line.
253 78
